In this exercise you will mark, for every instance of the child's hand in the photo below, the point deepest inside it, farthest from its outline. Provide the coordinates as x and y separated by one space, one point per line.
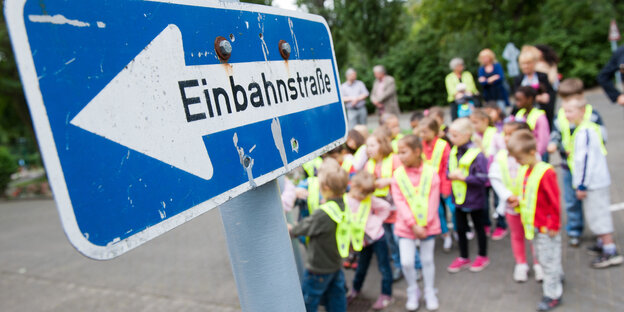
552 233
301 193
457 175
289 226
513 201
383 182
419 231
552 147
581 194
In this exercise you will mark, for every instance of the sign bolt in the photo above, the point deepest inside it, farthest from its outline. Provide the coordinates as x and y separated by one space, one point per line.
284 49
223 48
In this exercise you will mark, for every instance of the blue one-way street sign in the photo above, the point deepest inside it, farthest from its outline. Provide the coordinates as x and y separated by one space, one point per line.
149 113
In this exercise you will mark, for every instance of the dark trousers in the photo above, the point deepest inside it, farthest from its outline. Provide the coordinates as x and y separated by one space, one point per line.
462 227
380 249
327 288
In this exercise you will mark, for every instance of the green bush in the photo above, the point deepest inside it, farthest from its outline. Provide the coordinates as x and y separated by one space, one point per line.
8 166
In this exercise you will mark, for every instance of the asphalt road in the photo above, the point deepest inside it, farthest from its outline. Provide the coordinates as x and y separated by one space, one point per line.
187 269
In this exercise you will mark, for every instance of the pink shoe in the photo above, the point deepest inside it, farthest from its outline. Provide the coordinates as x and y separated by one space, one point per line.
479 264
382 302
499 233
487 231
458 264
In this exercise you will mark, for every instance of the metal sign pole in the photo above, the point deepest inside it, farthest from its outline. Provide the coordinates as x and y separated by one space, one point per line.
260 251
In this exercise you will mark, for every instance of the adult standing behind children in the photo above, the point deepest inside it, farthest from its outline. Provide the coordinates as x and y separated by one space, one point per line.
354 94
456 76
546 96
605 77
384 95
492 78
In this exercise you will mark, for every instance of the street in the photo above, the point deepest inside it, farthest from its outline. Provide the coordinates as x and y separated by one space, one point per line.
187 269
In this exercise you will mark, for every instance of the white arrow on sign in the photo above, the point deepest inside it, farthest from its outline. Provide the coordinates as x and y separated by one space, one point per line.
143 107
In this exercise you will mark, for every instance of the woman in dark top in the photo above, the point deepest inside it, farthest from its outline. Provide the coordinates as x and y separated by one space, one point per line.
491 78
539 81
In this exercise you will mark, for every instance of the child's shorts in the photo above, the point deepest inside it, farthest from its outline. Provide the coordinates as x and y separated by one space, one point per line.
597 212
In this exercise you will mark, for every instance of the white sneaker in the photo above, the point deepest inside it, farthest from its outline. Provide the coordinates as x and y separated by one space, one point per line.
413 295
539 272
448 243
521 273
431 300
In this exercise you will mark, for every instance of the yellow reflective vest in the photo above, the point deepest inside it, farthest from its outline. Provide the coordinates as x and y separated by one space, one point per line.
514 185
436 155
386 172
528 201
314 194
531 119
567 138
342 219
488 139
312 166
395 142
417 198
358 222
459 187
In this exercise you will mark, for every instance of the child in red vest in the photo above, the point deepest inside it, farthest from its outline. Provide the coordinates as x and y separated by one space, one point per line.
540 213
416 193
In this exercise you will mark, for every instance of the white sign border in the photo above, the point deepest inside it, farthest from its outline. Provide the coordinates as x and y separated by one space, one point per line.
14 14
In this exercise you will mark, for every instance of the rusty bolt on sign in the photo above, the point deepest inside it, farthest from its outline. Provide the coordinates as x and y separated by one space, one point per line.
223 48
284 49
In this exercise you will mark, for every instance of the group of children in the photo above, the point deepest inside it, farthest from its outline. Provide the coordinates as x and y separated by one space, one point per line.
386 194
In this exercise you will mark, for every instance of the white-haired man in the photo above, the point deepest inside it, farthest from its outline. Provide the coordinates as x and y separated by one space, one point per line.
354 94
384 95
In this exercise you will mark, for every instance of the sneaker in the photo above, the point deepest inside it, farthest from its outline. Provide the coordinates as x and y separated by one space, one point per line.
346 264
354 265
479 264
574 241
412 299
397 274
594 250
539 272
382 302
548 304
487 231
431 300
607 260
352 295
499 233
470 235
458 264
448 243
521 273
419 274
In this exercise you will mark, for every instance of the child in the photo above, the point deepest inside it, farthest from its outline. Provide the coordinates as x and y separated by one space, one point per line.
382 164
367 216
415 120
438 114
503 174
487 137
436 153
391 122
468 175
464 103
560 139
496 114
416 191
540 213
534 117
590 178
323 278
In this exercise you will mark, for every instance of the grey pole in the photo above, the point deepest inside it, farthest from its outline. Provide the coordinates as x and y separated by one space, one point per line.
618 76
260 251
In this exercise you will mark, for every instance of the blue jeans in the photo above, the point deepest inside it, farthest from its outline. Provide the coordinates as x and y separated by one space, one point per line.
451 206
327 288
574 207
442 215
380 249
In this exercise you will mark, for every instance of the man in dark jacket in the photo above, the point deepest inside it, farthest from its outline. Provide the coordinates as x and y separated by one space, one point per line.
615 65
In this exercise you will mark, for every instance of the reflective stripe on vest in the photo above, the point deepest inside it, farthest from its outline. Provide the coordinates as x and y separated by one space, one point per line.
347 164
358 222
312 166
395 142
417 199
436 155
531 119
386 172
314 194
528 202
514 185
341 218
570 149
460 187
564 126
361 150
488 138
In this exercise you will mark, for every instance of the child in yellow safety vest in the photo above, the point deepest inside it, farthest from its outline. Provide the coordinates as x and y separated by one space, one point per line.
328 230
367 236
468 175
503 174
436 153
540 213
391 122
591 179
416 192
382 163
490 141
534 117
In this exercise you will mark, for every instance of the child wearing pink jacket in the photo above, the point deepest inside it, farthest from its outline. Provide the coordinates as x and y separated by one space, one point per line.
412 225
